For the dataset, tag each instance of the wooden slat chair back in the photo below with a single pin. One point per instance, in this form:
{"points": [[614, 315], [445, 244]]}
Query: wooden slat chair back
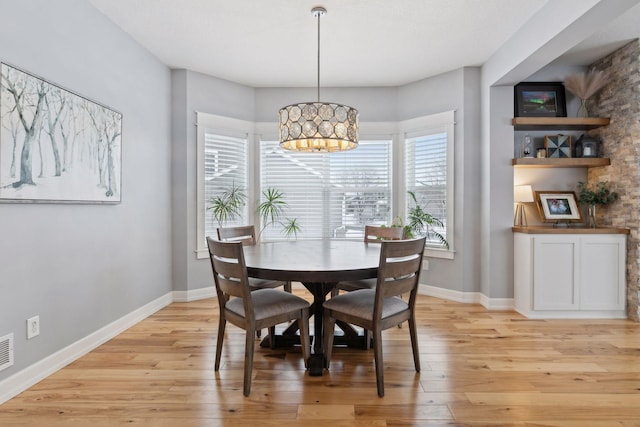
{"points": [[372, 234], [375, 234], [250, 309], [381, 308], [245, 234]]}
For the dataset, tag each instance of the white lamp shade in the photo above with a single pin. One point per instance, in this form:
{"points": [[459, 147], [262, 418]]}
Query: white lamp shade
{"points": [[522, 194]]}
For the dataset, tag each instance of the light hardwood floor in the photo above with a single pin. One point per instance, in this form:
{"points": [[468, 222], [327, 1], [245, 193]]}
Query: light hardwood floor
{"points": [[479, 368]]}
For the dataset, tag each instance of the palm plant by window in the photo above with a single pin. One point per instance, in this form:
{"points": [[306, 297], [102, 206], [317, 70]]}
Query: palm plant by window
{"points": [[422, 223]]}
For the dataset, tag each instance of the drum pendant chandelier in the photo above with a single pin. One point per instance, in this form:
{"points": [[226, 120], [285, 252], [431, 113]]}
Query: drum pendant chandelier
{"points": [[318, 127]]}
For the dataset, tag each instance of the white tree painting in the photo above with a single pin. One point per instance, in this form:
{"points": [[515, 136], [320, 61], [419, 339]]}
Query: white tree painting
{"points": [[56, 146]]}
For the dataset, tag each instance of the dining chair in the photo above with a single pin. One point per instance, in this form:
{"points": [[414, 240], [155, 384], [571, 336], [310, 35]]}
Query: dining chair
{"points": [[246, 234], [381, 308], [250, 309], [372, 234]]}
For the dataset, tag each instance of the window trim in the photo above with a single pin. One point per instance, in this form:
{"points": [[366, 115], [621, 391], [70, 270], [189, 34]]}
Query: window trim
{"points": [[440, 122], [229, 127]]}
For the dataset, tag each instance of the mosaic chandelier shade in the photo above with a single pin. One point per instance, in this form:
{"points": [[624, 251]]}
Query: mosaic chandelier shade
{"points": [[318, 127]]}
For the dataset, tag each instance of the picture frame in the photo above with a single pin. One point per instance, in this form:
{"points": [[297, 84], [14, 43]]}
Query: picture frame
{"points": [[55, 145], [540, 99], [558, 146], [558, 206]]}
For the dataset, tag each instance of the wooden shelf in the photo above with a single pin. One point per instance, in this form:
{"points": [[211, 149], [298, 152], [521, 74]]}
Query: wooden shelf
{"points": [[582, 162], [558, 123], [544, 229]]}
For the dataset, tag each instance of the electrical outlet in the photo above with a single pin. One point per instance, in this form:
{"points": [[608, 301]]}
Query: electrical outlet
{"points": [[425, 264], [33, 327]]}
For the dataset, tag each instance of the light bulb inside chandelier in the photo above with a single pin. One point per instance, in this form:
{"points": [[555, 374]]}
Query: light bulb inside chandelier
{"points": [[319, 127]]}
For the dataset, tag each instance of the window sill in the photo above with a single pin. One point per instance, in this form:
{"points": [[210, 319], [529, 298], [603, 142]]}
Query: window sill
{"points": [[202, 253], [439, 253]]}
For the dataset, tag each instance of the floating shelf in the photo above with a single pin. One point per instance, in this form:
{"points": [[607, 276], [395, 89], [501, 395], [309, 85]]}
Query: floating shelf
{"points": [[581, 162], [558, 123]]}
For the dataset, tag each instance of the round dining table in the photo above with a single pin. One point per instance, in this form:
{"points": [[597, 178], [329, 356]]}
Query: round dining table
{"points": [[319, 265]]}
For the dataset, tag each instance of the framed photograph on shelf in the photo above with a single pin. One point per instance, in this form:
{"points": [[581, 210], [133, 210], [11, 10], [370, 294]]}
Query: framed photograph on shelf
{"points": [[558, 206], [55, 145], [539, 99], [558, 146]]}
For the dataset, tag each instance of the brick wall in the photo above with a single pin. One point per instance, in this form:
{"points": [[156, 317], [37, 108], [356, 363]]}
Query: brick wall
{"points": [[620, 100]]}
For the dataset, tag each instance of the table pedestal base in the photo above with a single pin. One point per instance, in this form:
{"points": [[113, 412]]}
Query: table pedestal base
{"points": [[289, 337]]}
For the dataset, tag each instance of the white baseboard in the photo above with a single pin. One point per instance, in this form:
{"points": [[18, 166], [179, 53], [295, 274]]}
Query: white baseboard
{"points": [[497, 303], [467, 297], [194, 295], [31, 375]]}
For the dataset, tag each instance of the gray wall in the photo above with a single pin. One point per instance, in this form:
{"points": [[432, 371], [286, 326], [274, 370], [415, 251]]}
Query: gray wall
{"points": [[81, 267], [193, 92], [457, 90]]}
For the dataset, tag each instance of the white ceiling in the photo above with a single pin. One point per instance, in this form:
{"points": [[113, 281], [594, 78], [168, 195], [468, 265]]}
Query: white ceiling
{"points": [[273, 43]]}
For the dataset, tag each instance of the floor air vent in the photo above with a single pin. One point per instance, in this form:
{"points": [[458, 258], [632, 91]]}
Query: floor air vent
{"points": [[6, 351]]}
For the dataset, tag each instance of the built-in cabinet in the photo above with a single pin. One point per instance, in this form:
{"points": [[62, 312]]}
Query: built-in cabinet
{"points": [[570, 273]]}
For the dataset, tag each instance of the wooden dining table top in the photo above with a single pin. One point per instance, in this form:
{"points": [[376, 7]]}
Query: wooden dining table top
{"points": [[313, 261]]}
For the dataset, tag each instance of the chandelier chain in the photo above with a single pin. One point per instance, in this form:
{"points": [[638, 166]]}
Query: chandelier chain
{"points": [[318, 15]]}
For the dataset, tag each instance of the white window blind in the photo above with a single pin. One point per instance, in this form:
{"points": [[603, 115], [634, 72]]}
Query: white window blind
{"points": [[225, 165], [332, 195], [426, 174]]}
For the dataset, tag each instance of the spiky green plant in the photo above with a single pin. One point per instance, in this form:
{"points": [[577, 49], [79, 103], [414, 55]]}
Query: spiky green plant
{"points": [[227, 205], [422, 222], [291, 227], [271, 211]]}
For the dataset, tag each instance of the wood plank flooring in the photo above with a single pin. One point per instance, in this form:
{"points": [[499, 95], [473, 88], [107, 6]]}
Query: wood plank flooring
{"points": [[479, 368]]}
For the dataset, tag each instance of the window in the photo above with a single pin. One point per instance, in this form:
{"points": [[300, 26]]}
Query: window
{"points": [[223, 161], [429, 173], [332, 195], [225, 167]]}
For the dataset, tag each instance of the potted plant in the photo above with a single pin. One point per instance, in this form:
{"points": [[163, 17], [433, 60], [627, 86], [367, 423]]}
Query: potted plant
{"points": [[599, 195], [271, 211], [228, 205], [420, 222]]}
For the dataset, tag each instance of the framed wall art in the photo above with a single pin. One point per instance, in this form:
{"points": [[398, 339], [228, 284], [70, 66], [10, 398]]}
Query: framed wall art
{"points": [[56, 146], [558, 206], [539, 99], [558, 146]]}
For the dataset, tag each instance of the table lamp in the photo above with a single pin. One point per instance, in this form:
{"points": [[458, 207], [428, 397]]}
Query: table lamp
{"points": [[521, 194]]}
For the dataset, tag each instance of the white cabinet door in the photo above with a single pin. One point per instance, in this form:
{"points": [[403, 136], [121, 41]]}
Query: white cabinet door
{"points": [[602, 270], [555, 284]]}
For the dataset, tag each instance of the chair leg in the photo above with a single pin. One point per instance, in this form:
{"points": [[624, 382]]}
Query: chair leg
{"points": [[335, 292], [259, 333], [367, 339], [287, 287], [221, 326], [414, 342], [377, 355], [248, 361], [272, 337], [305, 342], [329, 327]]}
